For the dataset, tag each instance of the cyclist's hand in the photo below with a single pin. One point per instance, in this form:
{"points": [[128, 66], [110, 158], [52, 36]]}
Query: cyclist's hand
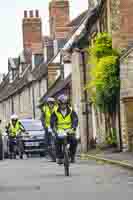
{"points": [[50, 130], [72, 131], [77, 137]]}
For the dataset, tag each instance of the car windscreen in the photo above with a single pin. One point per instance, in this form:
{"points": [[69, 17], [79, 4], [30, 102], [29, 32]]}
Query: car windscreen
{"points": [[32, 125]]}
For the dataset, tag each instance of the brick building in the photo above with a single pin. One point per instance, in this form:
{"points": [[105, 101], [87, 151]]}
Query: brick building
{"points": [[104, 16], [126, 74]]}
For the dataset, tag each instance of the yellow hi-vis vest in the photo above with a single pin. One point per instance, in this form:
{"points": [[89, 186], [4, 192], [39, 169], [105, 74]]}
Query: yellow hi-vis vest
{"points": [[48, 112], [14, 129], [63, 122]]}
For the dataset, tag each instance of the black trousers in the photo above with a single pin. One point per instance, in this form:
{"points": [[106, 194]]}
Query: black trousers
{"points": [[48, 137], [11, 144], [49, 147], [59, 146]]}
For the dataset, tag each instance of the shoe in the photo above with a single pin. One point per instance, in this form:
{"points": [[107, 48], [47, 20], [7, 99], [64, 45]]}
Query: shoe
{"points": [[51, 160], [72, 160], [59, 161]]}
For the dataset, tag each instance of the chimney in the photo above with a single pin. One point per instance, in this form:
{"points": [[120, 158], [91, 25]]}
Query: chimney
{"points": [[37, 13], [31, 13], [25, 14], [59, 18], [32, 32]]}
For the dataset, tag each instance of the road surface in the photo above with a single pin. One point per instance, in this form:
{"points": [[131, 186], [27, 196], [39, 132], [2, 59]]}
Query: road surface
{"points": [[37, 179]]}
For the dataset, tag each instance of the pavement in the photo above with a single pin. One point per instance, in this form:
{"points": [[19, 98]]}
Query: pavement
{"points": [[37, 179], [123, 159]]}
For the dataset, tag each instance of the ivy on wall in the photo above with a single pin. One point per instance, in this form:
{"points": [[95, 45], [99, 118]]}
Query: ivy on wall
{"points": [[104, 85]]}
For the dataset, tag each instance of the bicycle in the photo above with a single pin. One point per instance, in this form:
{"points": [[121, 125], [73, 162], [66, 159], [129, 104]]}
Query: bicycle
{"points": [[16, 146], [63, 134], [20, 145]]}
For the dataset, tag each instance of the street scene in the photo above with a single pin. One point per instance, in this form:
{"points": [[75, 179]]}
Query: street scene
{"points": [[66, 99]]}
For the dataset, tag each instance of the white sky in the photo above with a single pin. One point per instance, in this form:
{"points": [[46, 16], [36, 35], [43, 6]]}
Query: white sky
{"points": [[11, 14]]}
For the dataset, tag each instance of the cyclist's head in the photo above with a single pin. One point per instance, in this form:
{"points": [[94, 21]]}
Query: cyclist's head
{"points": [[51, 101], [63, 101], [14, 118]]}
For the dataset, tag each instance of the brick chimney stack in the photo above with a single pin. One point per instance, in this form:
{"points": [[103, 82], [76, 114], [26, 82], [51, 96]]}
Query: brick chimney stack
{"points": [[32, 32], [59, 17]]}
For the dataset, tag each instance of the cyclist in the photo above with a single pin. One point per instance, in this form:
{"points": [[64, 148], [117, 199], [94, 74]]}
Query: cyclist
{"points": [[47, 111], [62, 119], [13, 128]]}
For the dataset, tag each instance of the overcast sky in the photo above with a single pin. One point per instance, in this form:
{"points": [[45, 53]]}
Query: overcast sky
{"points": [[11, 14]]}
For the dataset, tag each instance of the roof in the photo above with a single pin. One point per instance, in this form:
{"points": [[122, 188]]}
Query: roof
{"points": [[76, 21], [127, 51], [40, 71], [10, 89], [84, 27], [57, 87]]}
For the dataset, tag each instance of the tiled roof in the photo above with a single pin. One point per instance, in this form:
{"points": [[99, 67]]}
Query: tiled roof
{"points": [[9, 89], [40, 71], [77, 20], [57, 87]]}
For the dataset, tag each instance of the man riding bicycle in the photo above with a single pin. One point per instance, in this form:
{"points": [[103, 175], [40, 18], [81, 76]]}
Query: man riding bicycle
{"points": [[64, 118], [13, 128], [47, 111]]}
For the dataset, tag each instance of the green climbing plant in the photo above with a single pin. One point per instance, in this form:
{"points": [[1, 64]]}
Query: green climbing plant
{"points": [[104, 85]]}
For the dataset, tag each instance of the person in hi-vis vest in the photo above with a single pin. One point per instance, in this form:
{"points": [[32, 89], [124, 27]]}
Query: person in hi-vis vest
{"points": [[13, 128], [65, 118], [47, 110]]}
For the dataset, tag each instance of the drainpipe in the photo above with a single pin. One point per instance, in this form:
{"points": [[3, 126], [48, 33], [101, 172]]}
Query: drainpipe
{"points": [[33, 101], [119, 121], [12, 105], [61, 67], [85, 96]]}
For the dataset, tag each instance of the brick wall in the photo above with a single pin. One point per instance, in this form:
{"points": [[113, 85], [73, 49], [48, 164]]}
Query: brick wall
{"points": [[126, 27], [121, 22]]}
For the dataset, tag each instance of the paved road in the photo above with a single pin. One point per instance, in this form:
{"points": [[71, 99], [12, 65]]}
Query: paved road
{"points": [[36, 179]]}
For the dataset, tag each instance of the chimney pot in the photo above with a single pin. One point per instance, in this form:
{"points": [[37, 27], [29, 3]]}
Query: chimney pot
{"points": [[37, 13], [25, 14], [31, 13]]}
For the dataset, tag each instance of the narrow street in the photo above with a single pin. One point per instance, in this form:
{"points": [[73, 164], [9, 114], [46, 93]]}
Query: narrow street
{"points": [[38, 179]]}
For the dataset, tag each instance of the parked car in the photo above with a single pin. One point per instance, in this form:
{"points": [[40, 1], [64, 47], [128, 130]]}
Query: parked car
{"points": [[33, 138]]}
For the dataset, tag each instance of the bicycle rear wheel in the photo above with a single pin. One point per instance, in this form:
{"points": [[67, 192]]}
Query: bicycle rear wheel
{"points": [[66, 162]]}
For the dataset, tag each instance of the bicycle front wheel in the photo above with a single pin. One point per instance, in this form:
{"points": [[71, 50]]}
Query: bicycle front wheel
{"points": [[66, 162]]}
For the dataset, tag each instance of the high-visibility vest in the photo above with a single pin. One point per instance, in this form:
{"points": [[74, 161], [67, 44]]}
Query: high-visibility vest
{"points": [[14, 129], [48, 112], [63, 122]]}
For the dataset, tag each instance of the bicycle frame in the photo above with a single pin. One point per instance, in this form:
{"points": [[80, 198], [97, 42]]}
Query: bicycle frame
{"points": [[66, 156], [64, 136]]}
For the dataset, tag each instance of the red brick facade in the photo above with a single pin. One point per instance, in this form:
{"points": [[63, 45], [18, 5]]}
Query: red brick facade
{"points": [[59, 18], [32, 31], [126, 25]]}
